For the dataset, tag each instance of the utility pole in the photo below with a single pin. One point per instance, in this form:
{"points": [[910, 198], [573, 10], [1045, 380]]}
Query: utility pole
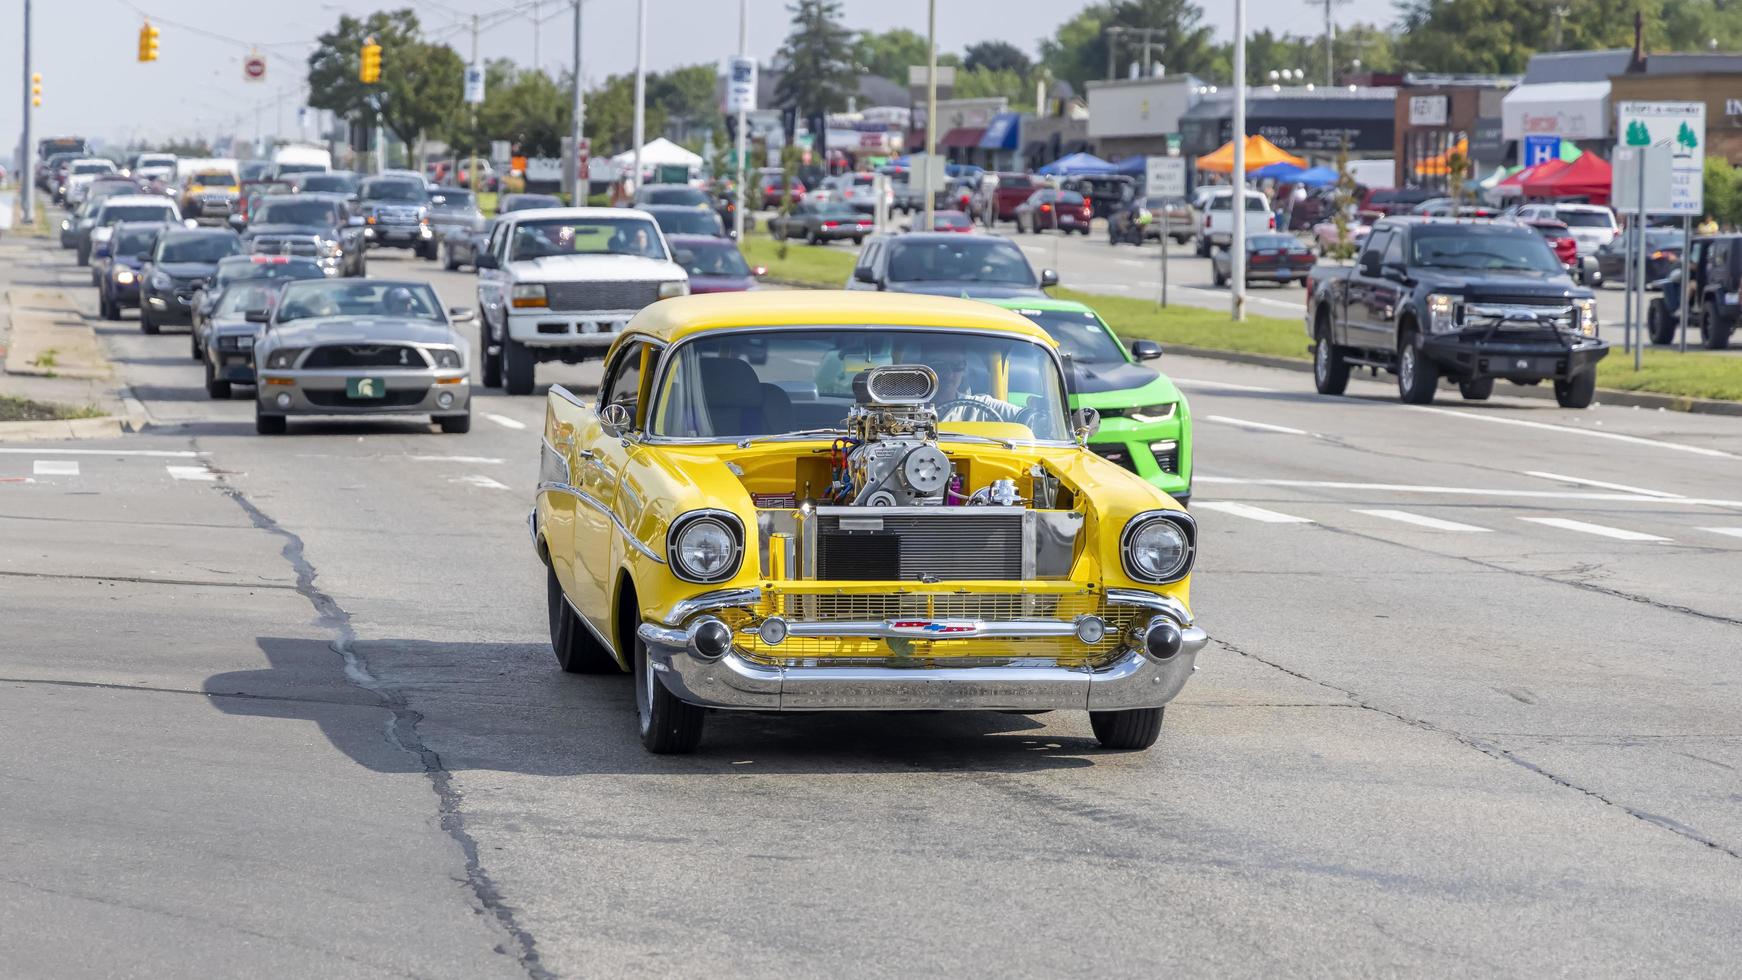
{"points": [[537, 29], [1113, 52], [931, 108], [640, 85], [578, 193], [27, 146], [743, 52], [1237, 245], [1330, 37], [472, 173]]}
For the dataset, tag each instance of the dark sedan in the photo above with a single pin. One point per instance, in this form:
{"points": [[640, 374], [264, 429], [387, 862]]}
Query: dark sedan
{"points": [[945, 264], [1663, 252], [239, 269], [180, 264], [821, 221], [129, 245], [679, 220], [453, 213], [318, 227], [1269, 258], [714, 264]]}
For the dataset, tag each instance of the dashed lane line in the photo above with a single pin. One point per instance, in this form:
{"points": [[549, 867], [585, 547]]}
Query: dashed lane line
{"points": [[1249, 512], [479, 480], [1581, 481], [1422, 520], [1628, 498], [55, 467], [1258, 426], [1601, 530], [484, 460], [1592, 433], [1734, 532], [196, 473], [153, 453], [504, 421]]}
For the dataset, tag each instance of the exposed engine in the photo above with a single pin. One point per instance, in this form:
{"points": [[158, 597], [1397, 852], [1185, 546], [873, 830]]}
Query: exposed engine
{"points": [[889, 457]]}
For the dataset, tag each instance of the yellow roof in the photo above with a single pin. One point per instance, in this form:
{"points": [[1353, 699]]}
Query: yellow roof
{"points": [[675, 319]]}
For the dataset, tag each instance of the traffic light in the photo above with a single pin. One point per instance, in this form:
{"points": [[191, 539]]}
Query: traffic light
{"points": [[148, 42], [369, 70], [36, 88]]}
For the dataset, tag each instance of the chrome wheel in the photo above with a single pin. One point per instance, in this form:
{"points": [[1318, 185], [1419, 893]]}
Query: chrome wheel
{"points": [[644, 691], [1406, 367], [1322, 361]]}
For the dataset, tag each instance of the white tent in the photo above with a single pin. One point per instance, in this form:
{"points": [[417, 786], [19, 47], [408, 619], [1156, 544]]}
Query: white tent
{"points": [[658, 153]]}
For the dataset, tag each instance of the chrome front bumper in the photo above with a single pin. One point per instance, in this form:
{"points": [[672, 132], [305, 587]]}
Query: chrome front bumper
{"points": [[1133, 679]]}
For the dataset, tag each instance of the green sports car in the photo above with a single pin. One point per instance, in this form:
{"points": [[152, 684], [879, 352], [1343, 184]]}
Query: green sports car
{"points": [[1146, 426]]}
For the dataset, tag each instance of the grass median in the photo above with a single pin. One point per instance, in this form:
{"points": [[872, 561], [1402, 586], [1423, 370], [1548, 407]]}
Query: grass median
{"points": [[15, 409], [1665, 372]]}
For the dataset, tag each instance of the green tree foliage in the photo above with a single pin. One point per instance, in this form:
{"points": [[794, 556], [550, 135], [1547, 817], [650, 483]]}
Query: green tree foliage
{"points": [[1692, 25], [1723, 186], [1077, 52], [984, 83], [996, 56], [818, 55], [421, 83], [524, 106], [1490, 36], [890, 53]]}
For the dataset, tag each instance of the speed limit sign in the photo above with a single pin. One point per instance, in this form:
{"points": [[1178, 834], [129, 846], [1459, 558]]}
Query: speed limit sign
{"points": [[254, 68]]}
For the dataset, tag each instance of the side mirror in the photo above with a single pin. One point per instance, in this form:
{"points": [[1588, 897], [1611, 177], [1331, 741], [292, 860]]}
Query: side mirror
{"points": [[1085, 422], [256, 316], [1048, 278], [1370, 265], [189, 223], [461, 314], [486, 260], [865, 274], [759, 271], [1145, 350], [1393, 270], [615, 418]]}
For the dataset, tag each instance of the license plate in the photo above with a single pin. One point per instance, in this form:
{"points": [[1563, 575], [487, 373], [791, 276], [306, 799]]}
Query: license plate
{"points": [[365, 388], [246, 343]]}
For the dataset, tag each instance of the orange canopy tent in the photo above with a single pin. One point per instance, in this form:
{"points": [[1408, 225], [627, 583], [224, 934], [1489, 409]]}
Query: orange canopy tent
{"points": [[1438, 166], [1260, 152]]}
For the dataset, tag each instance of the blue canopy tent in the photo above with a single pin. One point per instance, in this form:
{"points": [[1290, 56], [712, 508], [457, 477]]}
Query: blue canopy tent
{"points": [[1076, 163], [1130, 167], [1317, 177], [1282, 173]]}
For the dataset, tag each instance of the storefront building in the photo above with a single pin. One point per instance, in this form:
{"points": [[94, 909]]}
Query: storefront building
{"points": [[1566, 95], [1309, 122], [1714, 79], [1435, 114], [1138, 117]]}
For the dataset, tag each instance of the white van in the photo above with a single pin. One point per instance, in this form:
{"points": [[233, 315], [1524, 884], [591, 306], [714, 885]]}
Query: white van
{"points": [[293, 159]]}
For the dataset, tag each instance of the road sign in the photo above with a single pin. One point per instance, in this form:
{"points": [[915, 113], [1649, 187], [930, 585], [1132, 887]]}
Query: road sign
{"points": [[1164, 177], [1681, 126], [500, 152], [254, 67], [1541, 149], [1658, 179], [474, 84], [583, 158], [741, 85]]}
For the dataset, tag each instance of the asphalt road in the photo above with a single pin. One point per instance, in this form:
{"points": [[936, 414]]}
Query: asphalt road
{"points": [[285, 706]]}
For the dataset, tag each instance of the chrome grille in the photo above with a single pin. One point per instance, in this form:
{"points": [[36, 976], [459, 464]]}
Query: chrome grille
{"points": [[365, 355], [576, 297], [283, 245], [397, 216], [945, 543]]}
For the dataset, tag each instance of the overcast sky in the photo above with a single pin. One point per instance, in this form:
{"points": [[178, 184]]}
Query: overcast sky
{"points": [[93, 86]]}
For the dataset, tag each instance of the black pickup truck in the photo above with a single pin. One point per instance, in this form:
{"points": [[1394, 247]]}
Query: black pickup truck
{"points": [[1471, 301]]}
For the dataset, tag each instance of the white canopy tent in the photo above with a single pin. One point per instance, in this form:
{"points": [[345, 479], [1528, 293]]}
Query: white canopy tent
{"points": [[659, 153]]}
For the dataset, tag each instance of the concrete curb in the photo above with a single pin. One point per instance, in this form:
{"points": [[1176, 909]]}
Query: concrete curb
{"points": [[102, 427]]}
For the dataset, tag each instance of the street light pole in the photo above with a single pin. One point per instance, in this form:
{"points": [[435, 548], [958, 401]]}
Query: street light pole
{"points": [[640, 85], [1237, 244], [577, 125], [472, 169], [743, 52], [931, 107], [26, 146]]}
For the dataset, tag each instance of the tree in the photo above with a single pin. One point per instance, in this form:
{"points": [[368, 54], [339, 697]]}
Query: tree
{"points": [[889, 54], [818, 56], [996, 56], [1486, 36], [1345, 204], [1723, 188], [421, 87], [984, 83], [1078, 51]]}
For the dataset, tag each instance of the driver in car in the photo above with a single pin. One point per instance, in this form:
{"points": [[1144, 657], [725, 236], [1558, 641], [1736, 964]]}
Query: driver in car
{"points": [[954, 403], [399, 302]]}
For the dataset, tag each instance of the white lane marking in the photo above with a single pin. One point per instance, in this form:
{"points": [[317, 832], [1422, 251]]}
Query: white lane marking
{"points": [[1261, 426], [479, 480], [56, 467], [1249, 512], [156, 453], [1734, 532], [504, 421], [1615, 436], [1624, 488], [1421, 520], [486, 460], [1471, 491], [1601, 530], [191, 473], [1212, 385]]}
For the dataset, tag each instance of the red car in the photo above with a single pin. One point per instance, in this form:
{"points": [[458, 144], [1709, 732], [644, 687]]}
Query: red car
{"points": [[1560, 238], [956, 221], [1012, 190], [1063, 210]]}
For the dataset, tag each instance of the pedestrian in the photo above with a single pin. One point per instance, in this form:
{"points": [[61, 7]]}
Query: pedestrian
{"points": [[1707, 226]]}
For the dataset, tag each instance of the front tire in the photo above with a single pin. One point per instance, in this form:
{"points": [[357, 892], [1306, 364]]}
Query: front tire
{"points": [[1217, 276], [1417, 377], [215, 389], [448, 263], [669, 725], [194, 351], [1714, 332], [1476, 390], [457, 425], [1659, 324], [517, 367], [1127, 731], [577, 651], [146, 323], [1330, 370], [269, 425], [1577, 391]]}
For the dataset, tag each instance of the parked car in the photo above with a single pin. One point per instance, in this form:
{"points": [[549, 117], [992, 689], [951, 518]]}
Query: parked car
{"points": [[119, 264], [1216, 227], [1326, 237], [950, 221], [1065, 211], [453, 212], [561, 284], [1145, 422], [713, 264], [771, 188], [181, 261], [1566, 247], [239, 269], [1468, 301], [366, 347], [946, 264], [1145, 219], [821, 221], [318, 227], [1663, 252], [677, 562], [678, 219], [1270, 257], [1395, 200]]}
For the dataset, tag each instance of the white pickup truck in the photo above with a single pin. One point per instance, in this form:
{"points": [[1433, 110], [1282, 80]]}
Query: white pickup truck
{"points": [[559, 284], [1215, 217]]}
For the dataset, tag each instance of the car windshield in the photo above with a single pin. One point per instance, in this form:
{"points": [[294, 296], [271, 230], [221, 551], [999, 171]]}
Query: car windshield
{"points": [[328, 184], [285, 169], [587, 236], [1663, 238], [964, 258], [161, 160], [688, 196], [1481, 247], [212, 180], [393, 190], [238, 300], [949, 219], [134, 241], [93, 168], [803, 380], [198, 248], [292, 212], [687, 222], [1271, 241], [722, 259], [448, 199], [1080, 335], [363, 297], [1584, 219], [527, 202], [112, 213], [267, 267]]}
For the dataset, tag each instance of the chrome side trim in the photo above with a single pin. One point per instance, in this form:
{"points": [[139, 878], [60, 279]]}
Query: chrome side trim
{"points": [[568, 396], [551, 486], [1151, 600], [722, 599]]}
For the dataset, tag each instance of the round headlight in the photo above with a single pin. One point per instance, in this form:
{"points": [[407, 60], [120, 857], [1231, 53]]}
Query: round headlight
{"points": [[1158, 548], [704, 549]]}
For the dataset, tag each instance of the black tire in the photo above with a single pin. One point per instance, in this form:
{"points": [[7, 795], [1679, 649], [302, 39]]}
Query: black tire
{"points": [[84, 258], [215, 389], [577, 650], [1417, 377], [1127, 731], [111, 309], [858, 240], [457, 425], [1714, 332], [194, 351], [1577, 391], [1330, 369], [269, 425], [1659, 324], [1203, 247], [669, 726], [812, 238], [517, 367], [448, 263], [146, 323], [492, 369], [1217, 276], [1476, 390]]}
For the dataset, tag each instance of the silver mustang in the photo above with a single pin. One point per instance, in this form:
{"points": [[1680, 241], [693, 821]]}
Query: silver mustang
{"points": [[361, 347]]}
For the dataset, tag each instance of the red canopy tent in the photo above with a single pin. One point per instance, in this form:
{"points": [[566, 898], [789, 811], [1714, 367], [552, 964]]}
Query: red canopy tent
{"points": [[1542, 171], [1588, 177]]}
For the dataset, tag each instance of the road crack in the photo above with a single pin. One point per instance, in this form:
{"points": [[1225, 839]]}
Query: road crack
{"points": [[403, 734], [1494, 751]]}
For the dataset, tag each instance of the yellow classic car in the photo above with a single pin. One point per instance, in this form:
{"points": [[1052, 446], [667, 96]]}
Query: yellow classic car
{"points": [[739, 529]]}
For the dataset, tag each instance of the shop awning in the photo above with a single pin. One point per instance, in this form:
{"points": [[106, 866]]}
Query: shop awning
{"points": [[1076, 163], [1570, 110], [1002, 132], [1260, 152], [962, 138], [1589, 176]]}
